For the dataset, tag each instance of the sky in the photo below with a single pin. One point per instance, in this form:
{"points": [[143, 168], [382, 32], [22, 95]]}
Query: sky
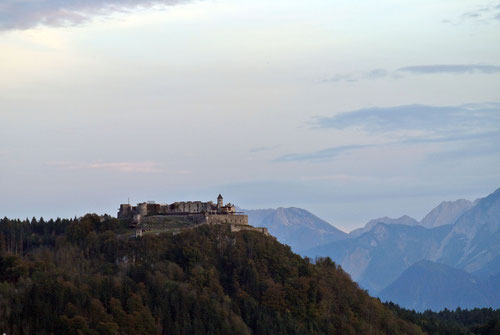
{"points": [[353, 110]]}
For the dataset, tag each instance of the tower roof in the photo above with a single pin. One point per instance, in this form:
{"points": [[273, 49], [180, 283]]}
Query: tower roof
{"points": [[219, 197]]}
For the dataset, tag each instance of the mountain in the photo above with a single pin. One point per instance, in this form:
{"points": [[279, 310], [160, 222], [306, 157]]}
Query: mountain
{"points": [[404, 220], [473, 244], [445, 213], [428, 285], [379, 256], [296, 227], [380, 253], [86, 277]]}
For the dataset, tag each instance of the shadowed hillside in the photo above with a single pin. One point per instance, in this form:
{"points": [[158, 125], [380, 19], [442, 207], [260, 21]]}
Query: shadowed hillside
{"points": [[87, 277]]}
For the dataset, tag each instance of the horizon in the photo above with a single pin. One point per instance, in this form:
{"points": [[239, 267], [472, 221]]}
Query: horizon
{"points": [[352, 111]]}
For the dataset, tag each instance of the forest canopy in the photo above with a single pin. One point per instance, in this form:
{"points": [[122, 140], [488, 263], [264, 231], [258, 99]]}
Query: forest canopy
{"points": [[88, 276]]}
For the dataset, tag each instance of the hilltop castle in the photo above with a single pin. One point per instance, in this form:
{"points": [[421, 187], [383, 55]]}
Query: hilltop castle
{"points": [[148, 214], [150, 208]]}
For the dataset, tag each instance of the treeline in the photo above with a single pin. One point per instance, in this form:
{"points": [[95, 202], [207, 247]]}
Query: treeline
{"points": [[16, 236], [478, 321], [85, 276]]}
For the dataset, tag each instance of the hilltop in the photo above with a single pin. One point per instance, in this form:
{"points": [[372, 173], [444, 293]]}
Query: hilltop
{"points": [[86, 276]]}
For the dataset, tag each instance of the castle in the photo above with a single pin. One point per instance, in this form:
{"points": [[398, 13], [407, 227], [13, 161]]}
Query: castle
{"points": [[150, 214]]}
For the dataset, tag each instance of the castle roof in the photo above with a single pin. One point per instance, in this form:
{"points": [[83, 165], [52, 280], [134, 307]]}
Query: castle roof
{"points": [[219, 197]]}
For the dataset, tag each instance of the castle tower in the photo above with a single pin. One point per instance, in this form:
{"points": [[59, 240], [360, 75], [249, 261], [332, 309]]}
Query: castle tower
{"points": [[220, 202]]}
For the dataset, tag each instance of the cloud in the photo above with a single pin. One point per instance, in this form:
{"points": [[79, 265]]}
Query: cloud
{"points": [[263, 148], [352, 77], [452, 69], [128, 167], [410, 125], [321, 154], [438, 119], [471, 150], [377, 73], [479, 14], [416, 69], [332, 152], [25, 14]]}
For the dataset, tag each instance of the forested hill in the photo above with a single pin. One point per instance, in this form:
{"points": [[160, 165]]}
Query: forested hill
{"points": [[87, 277]]}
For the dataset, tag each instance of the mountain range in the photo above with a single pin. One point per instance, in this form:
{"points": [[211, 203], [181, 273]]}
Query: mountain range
{"points": [[446, 212], [296, 227], [459, 235]]}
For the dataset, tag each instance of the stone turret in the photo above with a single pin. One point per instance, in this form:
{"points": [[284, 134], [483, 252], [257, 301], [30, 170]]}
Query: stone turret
{"points": [[142, 209], [220, 201]]}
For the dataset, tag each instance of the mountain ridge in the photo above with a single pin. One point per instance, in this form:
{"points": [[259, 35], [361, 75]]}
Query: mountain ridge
{"points": [[379, 256], [296, 227], [404, 220], [447, 212]]}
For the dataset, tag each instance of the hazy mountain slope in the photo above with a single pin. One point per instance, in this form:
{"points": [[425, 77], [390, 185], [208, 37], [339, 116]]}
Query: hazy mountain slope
{"points": [[379, 256], [296, 227], [404, 220], [429, 285], [445, 213], [489, 269], [256, 216], [474, 240]]}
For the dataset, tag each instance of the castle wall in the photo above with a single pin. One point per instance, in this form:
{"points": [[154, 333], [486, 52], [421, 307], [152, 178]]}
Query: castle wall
{"points": [[168, 219], [142, 209], [125, 211], [237, 228], [227, 219]]}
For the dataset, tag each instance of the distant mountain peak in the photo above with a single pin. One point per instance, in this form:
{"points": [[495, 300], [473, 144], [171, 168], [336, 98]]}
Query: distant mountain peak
{"points": [[404, 220], [296, 227], [447, 212], [468, 251]]}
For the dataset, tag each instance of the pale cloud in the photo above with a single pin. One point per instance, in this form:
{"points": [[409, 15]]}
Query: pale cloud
{"points": [[355, 77], [15, 14], [439, 119], [351, 78], [451, 69], [431, 69], [126, 167], [410, 125], [377, 73], [482, 13], [321, 155], [262, 148], [487, 139]]}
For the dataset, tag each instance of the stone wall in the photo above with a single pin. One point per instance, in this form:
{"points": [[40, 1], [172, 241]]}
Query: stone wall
{"points": [[227, 219], [167, 219], [237, 227]]}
